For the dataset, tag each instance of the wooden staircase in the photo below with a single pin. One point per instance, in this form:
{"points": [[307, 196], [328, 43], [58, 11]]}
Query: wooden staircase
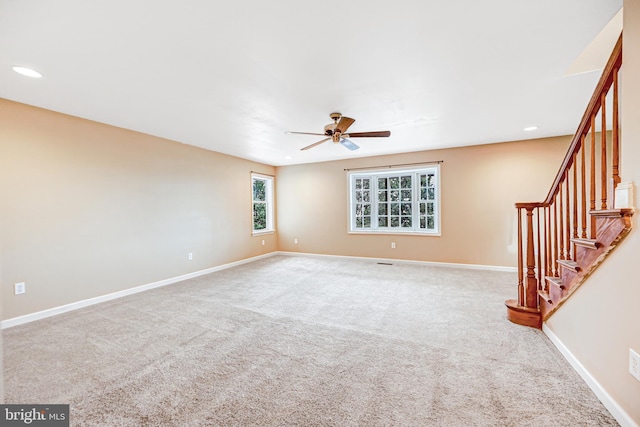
{"points": [[563, 239]]}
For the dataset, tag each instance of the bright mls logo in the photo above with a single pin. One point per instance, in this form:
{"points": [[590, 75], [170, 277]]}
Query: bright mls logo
{"points": [[35, 415]]}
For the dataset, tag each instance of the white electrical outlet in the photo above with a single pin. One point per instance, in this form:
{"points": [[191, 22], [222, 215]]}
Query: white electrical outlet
{"points": [[634, 364], [20, 288], [393, 245], [262, 242], [190, 256], [295, 241]]}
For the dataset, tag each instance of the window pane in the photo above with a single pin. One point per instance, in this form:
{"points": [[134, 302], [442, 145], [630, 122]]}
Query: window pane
{"points": [[365, 184], [431, 193], [382, 183], [395, 221], [394, 182], [366, 196], [259, 191], [382, 209], [423, 194], [359, 222], [358, 196], [367, 209], [423, 222], [430, 223], [394, 195], [406, 221], [259, 216], [430, 180], [430, 208], [422, 209], [423, 180], [406, 181], [395, 208], [406, 195], [382, 196], [367, 222], [382, 221], [359, 209], [406, 208], [358, 184]]}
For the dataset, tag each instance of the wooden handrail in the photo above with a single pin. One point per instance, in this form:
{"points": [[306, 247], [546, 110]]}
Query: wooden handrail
{"points": [[603, 86]]}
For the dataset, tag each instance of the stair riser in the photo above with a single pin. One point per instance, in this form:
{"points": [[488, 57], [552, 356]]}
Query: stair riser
{"points": [[522, 315], [556, 294], [569, 278], [610, 232]]}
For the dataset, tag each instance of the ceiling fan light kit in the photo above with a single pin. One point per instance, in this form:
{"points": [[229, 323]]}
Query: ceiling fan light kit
{"points": [[337, 132]]}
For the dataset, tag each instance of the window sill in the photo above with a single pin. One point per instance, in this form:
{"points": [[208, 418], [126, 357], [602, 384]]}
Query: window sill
{"points": [[262, 232], [396, 233]]}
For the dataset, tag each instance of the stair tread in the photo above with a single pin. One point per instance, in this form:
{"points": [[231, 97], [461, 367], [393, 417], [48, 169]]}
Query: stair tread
{"points": [[569, 264], [513, 304], [545, 296], [612, 213], [586, 243], [556, 281]]}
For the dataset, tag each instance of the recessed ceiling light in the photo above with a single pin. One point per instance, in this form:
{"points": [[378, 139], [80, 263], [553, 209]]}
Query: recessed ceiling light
{"points": [[27, 72], [288, 157], [530, 128]]}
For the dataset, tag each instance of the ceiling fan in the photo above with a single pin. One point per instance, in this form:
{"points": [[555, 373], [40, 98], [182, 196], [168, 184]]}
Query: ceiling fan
{"points": [[337, 132]]}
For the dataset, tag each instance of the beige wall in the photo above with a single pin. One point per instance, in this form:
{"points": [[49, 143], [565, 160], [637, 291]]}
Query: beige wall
{"points": [[1, 348], [479, 187], [602, 319], [88, 209]]}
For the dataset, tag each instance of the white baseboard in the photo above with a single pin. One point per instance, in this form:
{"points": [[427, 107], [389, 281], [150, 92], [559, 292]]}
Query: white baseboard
{"points": [[407, 261], [612, 406], [15, 321]]}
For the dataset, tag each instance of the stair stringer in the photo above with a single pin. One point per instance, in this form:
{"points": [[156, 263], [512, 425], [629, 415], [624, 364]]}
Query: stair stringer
{"points": [[611, 228]]}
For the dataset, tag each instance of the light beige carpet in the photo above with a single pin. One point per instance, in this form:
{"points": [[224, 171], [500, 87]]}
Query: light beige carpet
{"points": [[302, 341]]}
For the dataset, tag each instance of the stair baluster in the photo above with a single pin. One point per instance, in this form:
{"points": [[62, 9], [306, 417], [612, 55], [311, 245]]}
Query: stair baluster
{"points": [[603, 152], [592, 178]]}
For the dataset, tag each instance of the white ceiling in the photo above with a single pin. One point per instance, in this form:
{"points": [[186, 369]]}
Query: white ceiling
{"points": [[233, 76]]}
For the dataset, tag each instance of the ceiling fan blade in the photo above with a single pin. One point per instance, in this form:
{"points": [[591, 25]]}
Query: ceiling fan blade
{"points": [[344, 124], [314, 144], [348, 144], [383, 133], [303, 133]]}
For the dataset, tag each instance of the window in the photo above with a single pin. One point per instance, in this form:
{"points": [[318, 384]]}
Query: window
{"points": [[262, 206], [399, 201]]}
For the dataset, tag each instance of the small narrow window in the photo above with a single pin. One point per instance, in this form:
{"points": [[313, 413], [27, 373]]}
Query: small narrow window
{"points": [[262, 206]]}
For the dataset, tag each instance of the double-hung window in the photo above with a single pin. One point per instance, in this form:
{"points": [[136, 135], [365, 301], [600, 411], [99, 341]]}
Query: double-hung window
{"points": [[395, 201], [262, 205]]}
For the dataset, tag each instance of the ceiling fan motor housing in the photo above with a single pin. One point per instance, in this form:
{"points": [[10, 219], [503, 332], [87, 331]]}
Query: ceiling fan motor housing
{"points": [[328, 129]]}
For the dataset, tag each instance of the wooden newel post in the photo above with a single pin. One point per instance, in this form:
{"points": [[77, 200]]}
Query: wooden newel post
{"points": [[532, 282], [527, 284]]}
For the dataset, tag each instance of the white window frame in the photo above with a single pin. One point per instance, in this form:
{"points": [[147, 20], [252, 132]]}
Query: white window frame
{"points": [[268, 180], [415, 201]]}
